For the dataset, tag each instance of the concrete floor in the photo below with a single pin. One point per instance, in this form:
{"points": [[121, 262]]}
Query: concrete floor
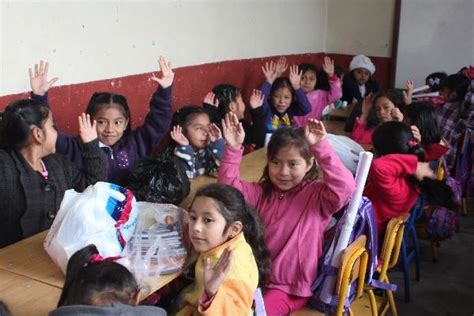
{"points": [[446, 287]]}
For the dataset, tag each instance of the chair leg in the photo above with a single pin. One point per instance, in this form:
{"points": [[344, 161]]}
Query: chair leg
{"points": [[405, 269], [416, 247], [434, 250], [464, 206], [373, 303], [391, 301]]}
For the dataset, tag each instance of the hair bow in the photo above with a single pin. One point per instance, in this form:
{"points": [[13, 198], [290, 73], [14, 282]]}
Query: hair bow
{"points": [[412, 143], [433, 81], [98, 258]]}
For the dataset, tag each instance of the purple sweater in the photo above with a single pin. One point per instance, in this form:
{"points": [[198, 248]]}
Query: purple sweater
{"points": [[294, 220], [122, 156]]}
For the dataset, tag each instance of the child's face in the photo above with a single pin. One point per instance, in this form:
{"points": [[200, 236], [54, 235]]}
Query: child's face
{"points": [[308, 81], [197, 131], [206, 224], [238, 107], [111, 124], [361, 75], [447, 95], [288, 168], [281, 99], [383, 108]]}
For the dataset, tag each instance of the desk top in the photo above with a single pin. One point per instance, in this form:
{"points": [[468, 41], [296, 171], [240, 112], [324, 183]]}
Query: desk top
{"points": [[25, 296]]}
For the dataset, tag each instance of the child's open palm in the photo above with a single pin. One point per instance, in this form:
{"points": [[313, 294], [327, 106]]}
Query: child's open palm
{"points": [[407, 95], [295, 77], [328, 66], [214, 133], [211, 99], [178, 136], [314, 131], [167, 73], [233, 130], [87, 128], [214, 276], [39, 78], [281, 66], [256, 99], [269, 70], [366, 106]]}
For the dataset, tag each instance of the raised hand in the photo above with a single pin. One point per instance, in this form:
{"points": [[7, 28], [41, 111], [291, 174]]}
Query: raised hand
{"points": [[281, 66], [328, 66], [269, 70], [211, 99], [423, 170], [407, 95], [295, 77], [39, 78], [178, 136], [367, 104], [87, 129], [233, 130], [396, 115], [214, 133], [214, 276], [314, 131], [416, 133], [256, 99], [167, 73]]}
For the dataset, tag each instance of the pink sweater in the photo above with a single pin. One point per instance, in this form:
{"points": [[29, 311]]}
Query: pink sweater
{"points": [[294, 220], [319, 99], [362, 135]]}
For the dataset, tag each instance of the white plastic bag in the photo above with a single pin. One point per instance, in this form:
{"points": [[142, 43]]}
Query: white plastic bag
{"points": [[104, 214], [347, 149]]}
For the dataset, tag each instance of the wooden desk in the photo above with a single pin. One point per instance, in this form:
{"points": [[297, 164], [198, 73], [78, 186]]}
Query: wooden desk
{"points": [[25, 296]]}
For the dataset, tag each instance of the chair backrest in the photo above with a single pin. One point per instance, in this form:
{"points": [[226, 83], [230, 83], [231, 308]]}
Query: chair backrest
{"points": [[391, 244], [353, 268]]}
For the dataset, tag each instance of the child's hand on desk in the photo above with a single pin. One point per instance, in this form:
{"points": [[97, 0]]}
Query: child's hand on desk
{"points": [[234, 134], [256, 99], [178, 136], [39, 78], [214, 133], [314, 131], [214, 276]]}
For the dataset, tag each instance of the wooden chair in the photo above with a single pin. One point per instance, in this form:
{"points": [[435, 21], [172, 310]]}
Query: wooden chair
{"points": [[388, 259], [353, 268]]}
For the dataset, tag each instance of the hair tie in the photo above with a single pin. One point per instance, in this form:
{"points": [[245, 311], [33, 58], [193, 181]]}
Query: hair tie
{"points": [[98, 258], [412, 143]]}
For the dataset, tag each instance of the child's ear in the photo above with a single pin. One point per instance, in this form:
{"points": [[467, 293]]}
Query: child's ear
{"points": [[37, 135], [310, 165], [235, 228], [127, 121], [233, 106]]}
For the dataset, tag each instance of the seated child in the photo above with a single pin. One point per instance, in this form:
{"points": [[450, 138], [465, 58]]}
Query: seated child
{"points": [[433, 80], [318, 95], [122, 146], [99, 286], [233, 259], [294, 206], [225, 98], [358, 84], [199, 144]]}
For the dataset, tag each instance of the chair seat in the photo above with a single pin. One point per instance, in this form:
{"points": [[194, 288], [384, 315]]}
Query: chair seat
{"points": [[307, 311], [361, 306]]}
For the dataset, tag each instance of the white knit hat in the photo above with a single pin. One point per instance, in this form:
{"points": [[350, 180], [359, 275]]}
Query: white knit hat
{"points": [[362, 61]]}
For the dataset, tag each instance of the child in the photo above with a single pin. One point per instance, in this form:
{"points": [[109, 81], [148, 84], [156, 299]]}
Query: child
{"points": [[294, 206], [225, 98], [233, 259], [99, 286], [317, 96], [283, 97], [387, 106], [122, 146], [399, 174], [34, 178], [199, 143], [358, 84]]}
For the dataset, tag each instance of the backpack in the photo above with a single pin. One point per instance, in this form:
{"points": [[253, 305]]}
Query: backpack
{"points": [[364, 224]]}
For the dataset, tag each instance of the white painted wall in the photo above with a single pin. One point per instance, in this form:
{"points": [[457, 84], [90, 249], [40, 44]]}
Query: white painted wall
{"points": [[92, 40], [435, 35], [360, 27]]}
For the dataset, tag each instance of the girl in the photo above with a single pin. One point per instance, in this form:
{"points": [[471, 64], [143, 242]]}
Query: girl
{"points": [[233, 259], [227, 98], [199, 143], [122, 146], [317, 96], [294, 206], [399, 174], [34, 178], [356, 85], [283, 97], [98, 286], [387, 106]]}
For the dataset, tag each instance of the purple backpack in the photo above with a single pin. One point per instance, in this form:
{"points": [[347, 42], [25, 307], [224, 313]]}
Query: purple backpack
{"points": [[364, 224]]}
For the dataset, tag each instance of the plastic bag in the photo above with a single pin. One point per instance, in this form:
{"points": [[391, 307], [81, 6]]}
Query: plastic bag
{"points": [[104, 214], [347, 149], [160, 179], [156, 247]]}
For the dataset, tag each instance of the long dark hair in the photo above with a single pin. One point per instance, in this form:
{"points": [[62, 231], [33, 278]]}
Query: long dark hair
{"points": [[322, 79], [233, 208], [103, 282], [397, 138], [225, 94], [100, 100], [16, 121], [423, 116], [457, 83], [284, 137]]}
